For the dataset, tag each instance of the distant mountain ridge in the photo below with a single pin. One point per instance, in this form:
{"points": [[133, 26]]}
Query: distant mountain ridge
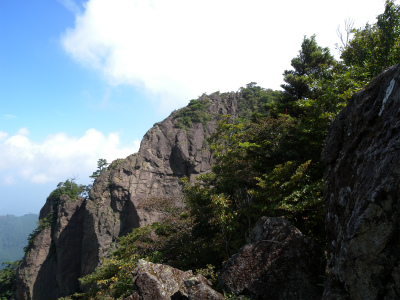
{"points": [[14, 233]]}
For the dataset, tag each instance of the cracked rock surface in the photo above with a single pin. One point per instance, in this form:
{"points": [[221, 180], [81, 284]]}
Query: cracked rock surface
{"points": [[362, 194], [162, 282]]}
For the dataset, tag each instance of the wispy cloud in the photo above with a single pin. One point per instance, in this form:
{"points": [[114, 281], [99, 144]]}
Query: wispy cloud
{"points": [[58, 157], [8, 117], [71, 6]]}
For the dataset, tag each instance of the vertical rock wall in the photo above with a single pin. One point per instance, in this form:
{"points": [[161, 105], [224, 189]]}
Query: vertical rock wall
{"points": [[362, 194], [54, 257]]}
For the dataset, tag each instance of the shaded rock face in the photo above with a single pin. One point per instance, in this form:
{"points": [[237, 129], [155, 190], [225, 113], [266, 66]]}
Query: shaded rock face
{"points": [[278, 262], [362, 194], [162, 282], [54, 257]]}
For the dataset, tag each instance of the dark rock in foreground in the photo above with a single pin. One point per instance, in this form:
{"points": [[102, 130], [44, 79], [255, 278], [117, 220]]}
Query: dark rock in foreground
{"points": [[278, 263], [161, 282], [362, 194]]}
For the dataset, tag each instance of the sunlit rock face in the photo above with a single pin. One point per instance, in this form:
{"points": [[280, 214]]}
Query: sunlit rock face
{"points": [[162, 282], [362, 194]]}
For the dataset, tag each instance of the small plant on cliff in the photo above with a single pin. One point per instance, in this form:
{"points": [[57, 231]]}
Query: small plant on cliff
{"points": [[195, 112], [101, 166]]}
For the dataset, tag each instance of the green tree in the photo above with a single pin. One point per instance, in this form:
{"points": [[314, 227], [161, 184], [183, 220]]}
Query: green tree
{"points": [[101, 166], [309, 66], [8, 277], [376, 47]]}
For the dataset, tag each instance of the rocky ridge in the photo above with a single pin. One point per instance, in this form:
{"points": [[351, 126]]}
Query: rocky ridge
{"points": [[121, 199]]}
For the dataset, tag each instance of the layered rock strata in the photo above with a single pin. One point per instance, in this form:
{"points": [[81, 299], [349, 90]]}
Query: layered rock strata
{"points": [[362, 194]]}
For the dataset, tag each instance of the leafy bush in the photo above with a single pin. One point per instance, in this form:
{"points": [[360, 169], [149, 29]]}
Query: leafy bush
{"points": [[8, 275]]}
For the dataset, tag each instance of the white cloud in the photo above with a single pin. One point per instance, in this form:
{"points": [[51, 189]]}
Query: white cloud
{"points": [[3, 135], [175, 50], [58, 157]]}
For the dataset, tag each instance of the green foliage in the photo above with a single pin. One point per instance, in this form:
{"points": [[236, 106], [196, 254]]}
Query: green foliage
{"points": [[309, 66], [377, 46], [101, 166], [254, 176], [195, 112], [8, 275], [69, 188], [255, 100]]}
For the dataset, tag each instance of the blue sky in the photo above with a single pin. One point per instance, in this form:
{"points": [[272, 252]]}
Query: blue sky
{"points": [[83, 80]]}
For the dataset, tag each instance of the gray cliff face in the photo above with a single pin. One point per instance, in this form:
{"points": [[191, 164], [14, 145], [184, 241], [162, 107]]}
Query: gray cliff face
{"points": [[362, 194], [120, 200], [54, 257]]}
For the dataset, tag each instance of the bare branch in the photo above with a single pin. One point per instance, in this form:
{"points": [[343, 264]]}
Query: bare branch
{"points": [[344, 36]]}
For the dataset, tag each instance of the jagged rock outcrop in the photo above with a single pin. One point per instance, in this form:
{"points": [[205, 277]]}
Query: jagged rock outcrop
{"points": [[121, 200], [53, 259], [121, 197], [162, 282], [362, 194], [278, 262]]}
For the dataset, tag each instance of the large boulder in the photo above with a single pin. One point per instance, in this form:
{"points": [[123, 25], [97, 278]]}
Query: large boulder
{"points": [[162, 282], [362, 194], [278, 263]]}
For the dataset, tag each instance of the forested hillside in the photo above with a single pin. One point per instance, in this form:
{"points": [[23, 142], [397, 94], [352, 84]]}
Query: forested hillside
{"points": [[14, 232]]}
